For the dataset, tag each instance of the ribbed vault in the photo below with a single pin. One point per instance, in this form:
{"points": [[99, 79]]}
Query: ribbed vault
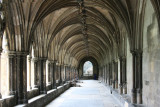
{"points": [[69, 30]]}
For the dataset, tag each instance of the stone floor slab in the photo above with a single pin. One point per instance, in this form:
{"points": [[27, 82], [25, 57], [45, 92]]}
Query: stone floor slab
{"points": [[90, 94]]}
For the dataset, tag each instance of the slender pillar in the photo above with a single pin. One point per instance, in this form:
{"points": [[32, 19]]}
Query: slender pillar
{"points": [[70, 78], [34, 72], [65, 73], [139, 72], [66, 70], [69, 73], [110, 74], [13, 73], [60, 70], [0, 74], [48, 72], [113, 74], [42, 75], [106, 73], [29, 72], [124, 76], [121, 76], [57, 74], [53, 74], [134, 91], [116, 75], [109, 78], [22, 78]]}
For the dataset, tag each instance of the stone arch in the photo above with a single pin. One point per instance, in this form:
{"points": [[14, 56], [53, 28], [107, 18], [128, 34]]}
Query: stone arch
{"points": [[95, 67]]}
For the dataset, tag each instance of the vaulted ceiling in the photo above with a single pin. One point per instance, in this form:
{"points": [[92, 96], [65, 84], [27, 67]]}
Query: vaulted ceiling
{"points": [[70, 30]]}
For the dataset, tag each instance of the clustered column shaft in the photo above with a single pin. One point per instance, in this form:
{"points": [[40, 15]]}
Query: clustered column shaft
{"points": [[42, 75], [137, 77]]}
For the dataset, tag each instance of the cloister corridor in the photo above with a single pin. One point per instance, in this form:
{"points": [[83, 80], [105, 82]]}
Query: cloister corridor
{"points": [[44, 45], [91, 93]]}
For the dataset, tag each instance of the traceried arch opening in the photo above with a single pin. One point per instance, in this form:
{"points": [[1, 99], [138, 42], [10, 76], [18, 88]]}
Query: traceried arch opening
{"points": [[88, 69]]}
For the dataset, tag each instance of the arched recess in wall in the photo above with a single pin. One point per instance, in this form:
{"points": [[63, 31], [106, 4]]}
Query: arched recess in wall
{"points": [[95, 67]]}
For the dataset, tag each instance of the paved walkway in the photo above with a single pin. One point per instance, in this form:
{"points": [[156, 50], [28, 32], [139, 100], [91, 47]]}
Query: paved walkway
{"points": [[90, 94]]}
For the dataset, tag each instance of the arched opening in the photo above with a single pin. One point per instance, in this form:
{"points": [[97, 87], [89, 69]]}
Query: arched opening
{"points": [[86, 64], [88, 69]]}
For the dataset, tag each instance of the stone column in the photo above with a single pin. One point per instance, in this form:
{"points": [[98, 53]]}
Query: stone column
{"points": [[68, 73], [48, 72], [121, 76], [29, 72], [34, 72], [134, 91], [0, 74], [42, 75], [71, 73], [124, 76], [116, 75], [106, 73], [60, 70], [139, 77], [110, 73], [66, 68], [65, 74], [53, 74], [57, 74], [22, 78], [113, 74]]}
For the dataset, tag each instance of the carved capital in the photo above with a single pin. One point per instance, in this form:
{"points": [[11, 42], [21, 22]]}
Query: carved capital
{"points": [[136, 52]]}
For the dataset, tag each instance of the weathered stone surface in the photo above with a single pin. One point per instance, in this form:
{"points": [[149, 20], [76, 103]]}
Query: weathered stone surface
{"points": [[42, 100]]}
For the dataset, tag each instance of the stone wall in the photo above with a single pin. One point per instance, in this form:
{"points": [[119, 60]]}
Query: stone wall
{"points": [[151, 59]]}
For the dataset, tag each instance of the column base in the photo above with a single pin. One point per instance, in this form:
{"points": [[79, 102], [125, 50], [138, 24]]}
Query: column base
{"points": [[139, 96], [124, 88], [110, 83], [134, 96], [116, 84], [36, 86], [113, 85], [120, 89], [64, 82], [54, 86], [12, 93], [43, 92], [29, 88], [23, 101]]}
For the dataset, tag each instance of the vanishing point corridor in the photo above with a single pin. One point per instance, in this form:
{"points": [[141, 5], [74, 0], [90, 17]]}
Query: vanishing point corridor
{"points": [[91, 93], [45, 44]]}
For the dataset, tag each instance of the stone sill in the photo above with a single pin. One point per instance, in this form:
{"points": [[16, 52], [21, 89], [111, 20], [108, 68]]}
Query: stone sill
{"points": [[35, 100], [7, 101], [43, 99]]}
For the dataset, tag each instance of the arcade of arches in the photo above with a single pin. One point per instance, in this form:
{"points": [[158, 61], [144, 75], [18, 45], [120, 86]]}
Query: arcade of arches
{"points": [[44, 44]]}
